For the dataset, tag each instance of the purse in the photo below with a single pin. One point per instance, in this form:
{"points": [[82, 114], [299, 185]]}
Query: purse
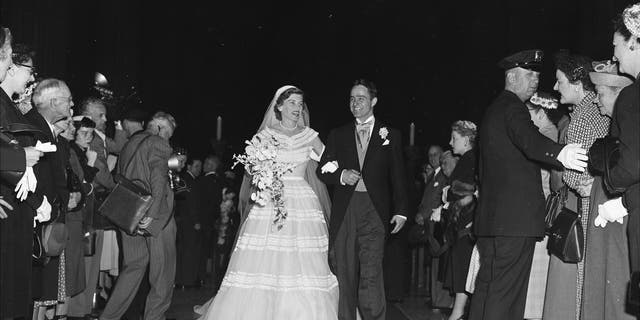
{"points": [[54, 234], [554, 204], [566, 237], [128, 202]]}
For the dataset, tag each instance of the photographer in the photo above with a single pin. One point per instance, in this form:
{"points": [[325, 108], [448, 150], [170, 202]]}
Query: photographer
{"points": [[145, 158]]}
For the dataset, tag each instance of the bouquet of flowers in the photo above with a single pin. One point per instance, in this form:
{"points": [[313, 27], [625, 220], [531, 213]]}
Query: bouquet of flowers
{"points": [[260, 162]]}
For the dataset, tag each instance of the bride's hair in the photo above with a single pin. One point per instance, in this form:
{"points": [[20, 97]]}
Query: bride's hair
{"points": [[284, 96]]}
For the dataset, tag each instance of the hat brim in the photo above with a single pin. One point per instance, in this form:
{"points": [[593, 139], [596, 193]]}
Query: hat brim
{"points": [[608, 79]]}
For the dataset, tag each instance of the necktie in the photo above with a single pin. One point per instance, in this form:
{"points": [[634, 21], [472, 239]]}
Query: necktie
{"points": [[363, 133]]}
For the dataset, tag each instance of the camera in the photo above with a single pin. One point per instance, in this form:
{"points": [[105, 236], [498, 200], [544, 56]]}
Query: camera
{"points": [[175, 163]]}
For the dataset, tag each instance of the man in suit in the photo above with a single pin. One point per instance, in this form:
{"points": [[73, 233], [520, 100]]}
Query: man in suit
{"points": [[431, 200], [52, 101], [209, 192], [103, 183], [145, 157], [510, 215], [363, 160], [188, 221]]}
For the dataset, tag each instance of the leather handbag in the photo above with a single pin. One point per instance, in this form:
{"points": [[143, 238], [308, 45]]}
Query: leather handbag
{"points": [[604, 155], [554, 204], [54, 233], [128, 202], [566, 237]]}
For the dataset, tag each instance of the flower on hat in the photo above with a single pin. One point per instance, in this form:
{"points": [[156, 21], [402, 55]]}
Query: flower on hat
{"points": [[547, 102], [631, 18], [606, 73]]}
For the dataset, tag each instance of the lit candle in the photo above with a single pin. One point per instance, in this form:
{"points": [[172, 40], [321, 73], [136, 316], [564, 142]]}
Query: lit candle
{"points": [[219, 129], [412, 133]]}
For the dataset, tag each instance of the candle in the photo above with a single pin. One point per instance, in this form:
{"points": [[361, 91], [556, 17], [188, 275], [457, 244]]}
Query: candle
{"points": [[219, 129], [412, 134]]}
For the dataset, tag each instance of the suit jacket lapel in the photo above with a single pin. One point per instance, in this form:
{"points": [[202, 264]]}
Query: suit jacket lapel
{"points": [[352, 144]]}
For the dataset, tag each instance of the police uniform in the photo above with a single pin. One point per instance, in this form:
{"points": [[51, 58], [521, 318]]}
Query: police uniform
{"points": [[510, 215]]}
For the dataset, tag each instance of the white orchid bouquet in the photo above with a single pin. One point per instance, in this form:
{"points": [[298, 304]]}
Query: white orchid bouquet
{"points": [[260, 161]]}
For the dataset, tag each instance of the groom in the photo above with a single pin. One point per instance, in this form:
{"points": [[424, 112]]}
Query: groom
{"points": [[363, 160]]}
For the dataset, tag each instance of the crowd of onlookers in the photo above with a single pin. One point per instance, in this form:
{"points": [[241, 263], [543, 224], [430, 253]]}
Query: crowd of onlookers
{"points": [[599, 285], [59, 257]]}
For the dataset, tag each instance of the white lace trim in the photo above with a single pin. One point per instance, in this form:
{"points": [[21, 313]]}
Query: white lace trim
{"points": [[279, 282]]}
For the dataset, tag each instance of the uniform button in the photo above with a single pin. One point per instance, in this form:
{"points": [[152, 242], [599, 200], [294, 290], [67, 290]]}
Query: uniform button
{"points": [[546, 153]]}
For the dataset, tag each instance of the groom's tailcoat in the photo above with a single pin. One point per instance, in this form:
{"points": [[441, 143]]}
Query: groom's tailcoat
{"points": [[382, 172]]}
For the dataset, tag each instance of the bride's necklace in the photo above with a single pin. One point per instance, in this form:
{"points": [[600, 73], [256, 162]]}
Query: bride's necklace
{"points": [[287, 128]]}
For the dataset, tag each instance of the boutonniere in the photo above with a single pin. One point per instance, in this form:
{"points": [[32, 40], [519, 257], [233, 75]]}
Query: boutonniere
{"points": [[383, 135]]}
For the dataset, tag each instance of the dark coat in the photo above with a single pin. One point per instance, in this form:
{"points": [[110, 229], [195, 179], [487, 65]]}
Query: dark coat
{"points": [[148, 162], [209, 192], [16, 230], [625, 174], [511, 201], [382, 171]]}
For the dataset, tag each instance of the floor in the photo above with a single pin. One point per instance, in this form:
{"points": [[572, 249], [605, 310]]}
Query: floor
{"points": [[412, 308]]}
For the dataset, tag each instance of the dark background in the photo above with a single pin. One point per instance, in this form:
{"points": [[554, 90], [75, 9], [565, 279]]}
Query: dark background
{"points": [[433, 61]]}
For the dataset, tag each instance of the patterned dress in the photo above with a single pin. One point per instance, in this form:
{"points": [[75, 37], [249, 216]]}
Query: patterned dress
{"points": [[280, 274], [586, 125]]}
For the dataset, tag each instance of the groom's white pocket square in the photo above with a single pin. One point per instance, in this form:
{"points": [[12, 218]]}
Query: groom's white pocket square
{"points": [[386, 142], [330, 167]]}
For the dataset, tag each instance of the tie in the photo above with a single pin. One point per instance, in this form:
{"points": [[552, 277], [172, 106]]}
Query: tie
{"points": [[363, 133]]}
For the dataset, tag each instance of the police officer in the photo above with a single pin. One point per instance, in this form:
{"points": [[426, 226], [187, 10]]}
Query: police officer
{"points": [[511, 204]]}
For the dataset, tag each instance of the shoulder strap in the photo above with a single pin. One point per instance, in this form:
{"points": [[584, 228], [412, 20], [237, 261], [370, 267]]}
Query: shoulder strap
{"points": [[135, 151]]}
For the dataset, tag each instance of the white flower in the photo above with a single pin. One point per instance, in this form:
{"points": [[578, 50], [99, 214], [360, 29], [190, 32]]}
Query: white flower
{"points": [[383, 133]]}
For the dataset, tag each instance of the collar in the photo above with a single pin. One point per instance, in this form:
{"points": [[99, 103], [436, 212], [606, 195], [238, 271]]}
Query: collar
{"points": [[100, 134], [191, 174], [210, 173], [51, 127], [583, 106], [371, 118]]}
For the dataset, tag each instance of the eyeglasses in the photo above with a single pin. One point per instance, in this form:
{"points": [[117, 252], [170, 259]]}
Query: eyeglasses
{"points": [[32, 69], [68, 99]]}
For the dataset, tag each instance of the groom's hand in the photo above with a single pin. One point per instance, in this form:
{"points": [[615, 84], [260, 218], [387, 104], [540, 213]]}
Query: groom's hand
{"points": [[350, 176], [399, 221]]}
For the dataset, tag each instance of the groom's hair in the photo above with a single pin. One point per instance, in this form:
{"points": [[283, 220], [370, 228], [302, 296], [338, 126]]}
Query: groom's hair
{"points": [[373, 91]]}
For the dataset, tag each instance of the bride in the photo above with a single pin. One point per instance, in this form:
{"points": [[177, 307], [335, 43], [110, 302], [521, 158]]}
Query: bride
{"points": [[282, 273]]}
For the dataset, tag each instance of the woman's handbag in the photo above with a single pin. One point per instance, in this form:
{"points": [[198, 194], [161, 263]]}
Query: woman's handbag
{"points": [[604, 154], [128, 202], [554, 205], [54, 233], [566, 237]]}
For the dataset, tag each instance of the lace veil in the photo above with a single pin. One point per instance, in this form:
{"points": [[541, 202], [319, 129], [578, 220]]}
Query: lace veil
{"points": [[244, 202]]}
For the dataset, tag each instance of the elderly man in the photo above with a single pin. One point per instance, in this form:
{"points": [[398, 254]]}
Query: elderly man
{"points": [[145, 158], [510, 215], [52, 101]]}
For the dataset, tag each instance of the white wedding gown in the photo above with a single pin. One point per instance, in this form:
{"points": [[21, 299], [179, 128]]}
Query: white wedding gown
{"points": [[280, 274]]}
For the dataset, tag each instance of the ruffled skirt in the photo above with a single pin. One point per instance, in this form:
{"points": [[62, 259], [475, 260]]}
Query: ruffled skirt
{"points": [[279, 274]]}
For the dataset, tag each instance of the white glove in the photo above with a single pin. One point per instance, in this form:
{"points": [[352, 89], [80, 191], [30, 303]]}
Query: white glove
{"points": [[436, 214], [27, 183], [574, 157], [330, 167], [611, 211], [445, 192], [45, 147], [43, 213]]}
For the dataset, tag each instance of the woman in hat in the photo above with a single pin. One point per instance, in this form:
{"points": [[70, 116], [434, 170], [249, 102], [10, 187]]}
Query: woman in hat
{"points": [[607, 254], [563, 298]]}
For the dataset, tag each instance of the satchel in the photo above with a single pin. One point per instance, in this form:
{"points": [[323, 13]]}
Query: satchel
{"points": [[554, 204], [128, 202], [566, 237]]}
